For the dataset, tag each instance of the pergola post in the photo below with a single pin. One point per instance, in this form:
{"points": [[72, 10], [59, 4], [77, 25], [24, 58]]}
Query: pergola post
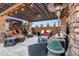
{"points": [[29, 31], [2, 28]]}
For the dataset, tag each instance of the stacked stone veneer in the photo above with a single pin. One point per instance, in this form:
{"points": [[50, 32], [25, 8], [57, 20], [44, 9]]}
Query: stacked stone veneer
{"points": [[73, 49]]}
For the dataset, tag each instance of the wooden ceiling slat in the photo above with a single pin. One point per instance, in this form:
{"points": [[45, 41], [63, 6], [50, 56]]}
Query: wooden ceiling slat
{"points": [[64, 12], [41, 7], [27, 12], [50, 13], [4, 6], [21, 15], [42, 19], [41, 10], [37, 12], [24, 14]]}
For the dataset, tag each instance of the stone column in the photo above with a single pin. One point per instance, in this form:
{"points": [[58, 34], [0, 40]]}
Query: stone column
{"points": [[63, 24], [73, 49], [29, 28], [2, 28]]}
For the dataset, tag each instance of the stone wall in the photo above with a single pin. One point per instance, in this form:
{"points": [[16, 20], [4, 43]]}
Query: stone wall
{"points": [[2, 28], [73, 49]]}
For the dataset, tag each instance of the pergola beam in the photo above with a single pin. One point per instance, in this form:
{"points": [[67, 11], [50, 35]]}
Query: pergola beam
{"points": [[11, 8]]}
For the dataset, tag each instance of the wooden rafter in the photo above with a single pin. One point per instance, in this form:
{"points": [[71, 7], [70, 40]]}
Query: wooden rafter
{"points": [[37, 12]]}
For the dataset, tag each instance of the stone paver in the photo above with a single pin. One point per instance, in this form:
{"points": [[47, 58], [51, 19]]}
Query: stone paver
{"points": [[20, 49]]}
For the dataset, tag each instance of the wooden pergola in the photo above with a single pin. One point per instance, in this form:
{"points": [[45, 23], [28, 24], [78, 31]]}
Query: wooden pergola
{"points": [[30, 11]]}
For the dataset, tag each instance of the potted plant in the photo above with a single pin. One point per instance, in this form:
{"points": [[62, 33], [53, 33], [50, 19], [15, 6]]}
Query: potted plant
{"points": [[25, 27], [68, 27]]}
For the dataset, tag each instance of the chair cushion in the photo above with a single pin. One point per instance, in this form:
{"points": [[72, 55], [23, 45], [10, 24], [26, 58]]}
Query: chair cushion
{"points": [[55, 47]]}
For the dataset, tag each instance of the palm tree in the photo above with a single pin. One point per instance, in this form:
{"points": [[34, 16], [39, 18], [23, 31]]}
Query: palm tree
{"points": [[41, 25], [36, 26], [48, 25], [54, 24], [25, 27], [68, 27]]}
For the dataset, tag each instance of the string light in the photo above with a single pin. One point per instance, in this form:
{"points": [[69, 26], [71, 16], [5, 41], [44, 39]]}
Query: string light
{"points": [[23, 5], [77, 14], [10, 13], [15, 11], [5, 15], [32, 4], [77, 8], [22, 9]]}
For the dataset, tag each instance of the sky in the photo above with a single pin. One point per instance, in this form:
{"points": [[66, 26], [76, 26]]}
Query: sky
{"points": [[51, 23]]}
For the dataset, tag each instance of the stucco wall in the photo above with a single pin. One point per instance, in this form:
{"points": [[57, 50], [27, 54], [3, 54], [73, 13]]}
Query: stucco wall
{"points": [[54, 29]]}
